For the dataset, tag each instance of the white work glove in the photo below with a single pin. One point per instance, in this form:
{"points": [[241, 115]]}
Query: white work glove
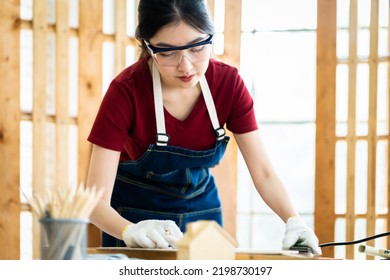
{"points": [[160, 234], [298, 233]]}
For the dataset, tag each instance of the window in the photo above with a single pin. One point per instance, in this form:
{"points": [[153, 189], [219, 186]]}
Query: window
{"points": [[278, 60]]}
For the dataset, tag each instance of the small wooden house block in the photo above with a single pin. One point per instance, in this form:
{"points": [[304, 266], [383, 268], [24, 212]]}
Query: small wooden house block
{"points": [[206, 240]]}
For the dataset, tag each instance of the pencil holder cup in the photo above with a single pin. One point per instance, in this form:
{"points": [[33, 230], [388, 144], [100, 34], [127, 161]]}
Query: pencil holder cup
{"points": [[63, 239]]}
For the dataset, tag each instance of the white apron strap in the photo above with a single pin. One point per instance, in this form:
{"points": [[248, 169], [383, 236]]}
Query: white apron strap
{"points": [[208, 98], [162, 136]]}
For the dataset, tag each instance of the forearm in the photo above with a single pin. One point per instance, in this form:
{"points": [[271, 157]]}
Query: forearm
{"points": [[274, 194], [102, 173], [267, 183], [108, 220]]}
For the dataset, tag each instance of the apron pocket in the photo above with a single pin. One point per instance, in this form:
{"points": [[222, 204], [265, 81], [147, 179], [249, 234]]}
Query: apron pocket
{"points": [[193, 184]]}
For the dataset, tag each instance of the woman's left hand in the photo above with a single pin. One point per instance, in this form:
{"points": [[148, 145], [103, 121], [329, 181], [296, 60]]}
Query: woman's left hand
{"points": [[297, 232]]}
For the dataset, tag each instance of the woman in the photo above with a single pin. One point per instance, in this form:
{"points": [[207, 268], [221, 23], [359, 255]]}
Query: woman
{"points": [[160, 128]]}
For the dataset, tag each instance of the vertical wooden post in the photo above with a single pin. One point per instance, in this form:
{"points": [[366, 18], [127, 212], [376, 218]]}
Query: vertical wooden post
{"points": [[90, 72], [226, 173], [90, 86], [388, 131], [351, 137], [39, 108], [372, 120], [9, 130], [210, 6], [62, 81], [233, 10], [324, 216], [120, 35]]}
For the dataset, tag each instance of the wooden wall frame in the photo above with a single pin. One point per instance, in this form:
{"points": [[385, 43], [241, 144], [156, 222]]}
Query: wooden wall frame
{"points": [[9, 130], [226, 172], [325, 123], [326, 138], [90, 87]]}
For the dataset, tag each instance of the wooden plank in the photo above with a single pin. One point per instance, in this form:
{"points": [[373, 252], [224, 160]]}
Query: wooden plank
{"points": [[131, 40], [226, 172], [324, 216], [62, 81], [233, 10], [388, 130], [210, 7], [90, 76], [39, 108], [120, 35], [90, 86], [372, 121], [351, 137], [9, 130]]}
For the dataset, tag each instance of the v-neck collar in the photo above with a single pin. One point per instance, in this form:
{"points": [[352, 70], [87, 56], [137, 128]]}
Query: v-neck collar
{"points": [[194, 112]]}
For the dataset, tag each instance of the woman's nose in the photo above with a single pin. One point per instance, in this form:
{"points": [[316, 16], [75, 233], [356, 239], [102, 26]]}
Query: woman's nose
{"points": [[185, 63]]}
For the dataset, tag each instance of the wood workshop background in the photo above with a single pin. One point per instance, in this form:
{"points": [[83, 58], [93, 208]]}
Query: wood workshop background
{"points": [[318, 71]]}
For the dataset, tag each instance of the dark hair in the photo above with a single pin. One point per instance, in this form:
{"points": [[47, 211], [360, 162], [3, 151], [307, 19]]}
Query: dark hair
{"points": [[155, 14]]}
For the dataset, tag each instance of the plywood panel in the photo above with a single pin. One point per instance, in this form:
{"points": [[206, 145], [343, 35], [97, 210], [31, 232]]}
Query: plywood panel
{"points": [[9, 130]]}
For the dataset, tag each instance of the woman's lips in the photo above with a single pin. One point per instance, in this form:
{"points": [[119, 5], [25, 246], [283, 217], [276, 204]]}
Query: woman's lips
{"points": [[186, 79]]}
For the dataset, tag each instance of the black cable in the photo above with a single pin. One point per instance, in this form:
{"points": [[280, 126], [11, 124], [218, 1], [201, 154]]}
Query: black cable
{"points": [[354, 241]]}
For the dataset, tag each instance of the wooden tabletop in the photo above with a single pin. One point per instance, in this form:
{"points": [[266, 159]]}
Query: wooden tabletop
{"points": [[170, 254]]}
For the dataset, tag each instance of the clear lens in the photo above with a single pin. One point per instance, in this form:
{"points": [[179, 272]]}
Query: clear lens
{"points": [[173, 58]]}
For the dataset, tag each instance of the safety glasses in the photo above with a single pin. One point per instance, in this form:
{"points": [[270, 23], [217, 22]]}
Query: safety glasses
{"points": [[171, 56]]}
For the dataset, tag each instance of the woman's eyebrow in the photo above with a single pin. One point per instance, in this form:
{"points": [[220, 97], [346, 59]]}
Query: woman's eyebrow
{"points": [[165, 45]]}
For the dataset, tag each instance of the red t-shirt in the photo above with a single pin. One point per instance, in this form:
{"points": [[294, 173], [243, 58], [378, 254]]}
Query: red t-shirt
{"points": [[126, 119]]}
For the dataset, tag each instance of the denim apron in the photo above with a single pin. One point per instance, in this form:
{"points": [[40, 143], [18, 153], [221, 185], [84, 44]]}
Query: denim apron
{"points": [[168, 182]]}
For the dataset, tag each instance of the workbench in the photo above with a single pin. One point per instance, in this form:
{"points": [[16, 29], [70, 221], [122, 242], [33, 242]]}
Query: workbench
{"points": [[170, 254]]}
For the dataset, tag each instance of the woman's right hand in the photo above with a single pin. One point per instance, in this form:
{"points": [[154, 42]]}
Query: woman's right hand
{"points": [[150, 234]]}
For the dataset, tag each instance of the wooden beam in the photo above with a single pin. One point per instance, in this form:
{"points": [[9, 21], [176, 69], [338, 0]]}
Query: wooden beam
{"points": [[90, 76], [90, 86], [226, 172], [351, 136], [388, 130], [39, 108], [210, 7], [232, 52], [324, 216], [9, 130], [62, 86], [372, 121], [120, 35]]}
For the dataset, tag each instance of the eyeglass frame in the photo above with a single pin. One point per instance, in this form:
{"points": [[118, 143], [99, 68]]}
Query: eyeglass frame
{"points": [[156, 50]]}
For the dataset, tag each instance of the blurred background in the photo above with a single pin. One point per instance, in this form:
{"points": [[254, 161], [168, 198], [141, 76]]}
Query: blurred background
{"points": [[318, 71]]}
